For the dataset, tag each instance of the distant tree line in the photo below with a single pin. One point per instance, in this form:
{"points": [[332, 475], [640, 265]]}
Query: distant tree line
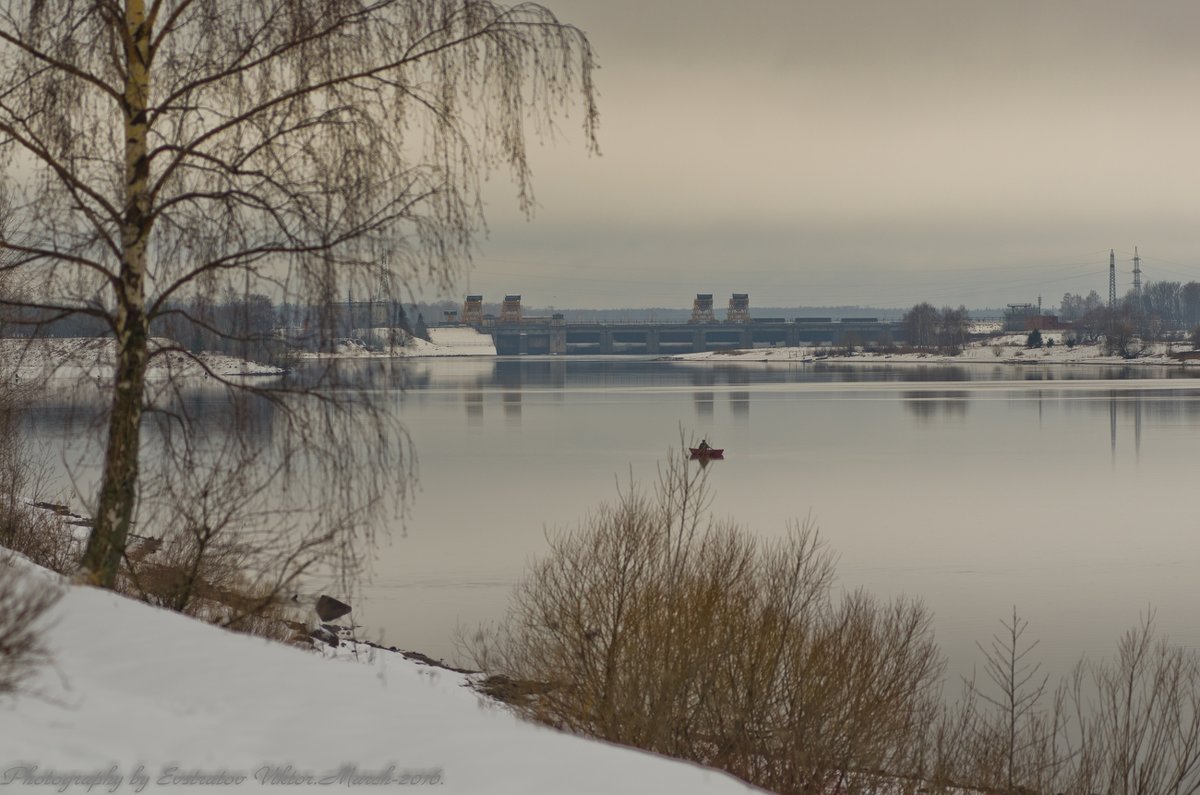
{"points": [[946, 330], [241, 325], [1161, 310], [238, 325], [1164, 308], [1074, 307], [248, 325]]}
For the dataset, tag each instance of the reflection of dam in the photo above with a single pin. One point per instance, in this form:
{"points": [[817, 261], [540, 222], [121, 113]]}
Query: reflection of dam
{"points": [[936, 403]]}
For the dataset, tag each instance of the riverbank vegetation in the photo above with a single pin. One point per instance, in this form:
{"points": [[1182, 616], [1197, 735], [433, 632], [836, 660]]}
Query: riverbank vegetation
{"points": [[656, 625], [24, 601], [204, 557]]}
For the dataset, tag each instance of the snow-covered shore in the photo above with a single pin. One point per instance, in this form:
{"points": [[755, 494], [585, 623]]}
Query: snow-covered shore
{"points": [[443, 341], [1005, 349], [84, 359], [136, 691], [92, 358]]}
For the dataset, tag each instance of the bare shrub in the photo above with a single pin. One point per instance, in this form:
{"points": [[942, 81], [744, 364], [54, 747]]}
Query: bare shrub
{"points": [[206, 578], [1005, 735], [40, 535], [24, 602], [1129, 724], [1143, 735], [657, 626], [227, 555]]}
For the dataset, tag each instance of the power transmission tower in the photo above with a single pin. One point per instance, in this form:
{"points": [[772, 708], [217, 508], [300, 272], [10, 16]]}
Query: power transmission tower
{"points": [[1112, 279], [1137, 273]]}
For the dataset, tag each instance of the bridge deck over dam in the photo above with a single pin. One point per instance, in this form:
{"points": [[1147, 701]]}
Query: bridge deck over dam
{"points": [[533, 336]]}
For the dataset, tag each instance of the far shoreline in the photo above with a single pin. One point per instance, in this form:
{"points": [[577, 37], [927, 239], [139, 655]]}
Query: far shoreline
{"points": [[1008, 349]]}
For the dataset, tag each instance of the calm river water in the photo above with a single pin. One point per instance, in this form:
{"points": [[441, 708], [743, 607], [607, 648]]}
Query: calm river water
{"points": [[1063, 491]]}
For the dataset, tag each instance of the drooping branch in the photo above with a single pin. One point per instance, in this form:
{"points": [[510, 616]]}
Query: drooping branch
{"points": [[59, 65], [160, 153]]}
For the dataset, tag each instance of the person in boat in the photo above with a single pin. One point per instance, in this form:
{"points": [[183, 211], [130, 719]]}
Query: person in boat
{"points": [[703, 445]]}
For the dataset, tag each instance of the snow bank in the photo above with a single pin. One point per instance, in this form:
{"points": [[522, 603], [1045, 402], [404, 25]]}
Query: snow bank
{"points": [[444, 341], [138, 691], [93, 358], [464, 339], [1006, 349]]}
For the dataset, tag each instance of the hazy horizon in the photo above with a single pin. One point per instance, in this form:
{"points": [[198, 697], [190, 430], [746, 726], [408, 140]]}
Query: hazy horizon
{"points": [[863, 152]]}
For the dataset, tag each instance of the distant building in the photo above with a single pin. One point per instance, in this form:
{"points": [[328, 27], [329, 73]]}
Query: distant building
{"points": [[739, 308], [510, 310], [1017, 316], [472, 313], [1027, 317]]}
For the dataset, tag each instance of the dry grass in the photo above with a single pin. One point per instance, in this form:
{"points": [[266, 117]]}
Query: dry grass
{"points": [[40, 535], [207, 578], [24, 602]]}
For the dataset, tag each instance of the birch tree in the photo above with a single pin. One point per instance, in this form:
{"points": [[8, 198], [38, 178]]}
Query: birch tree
{"points": [[154, 147]]}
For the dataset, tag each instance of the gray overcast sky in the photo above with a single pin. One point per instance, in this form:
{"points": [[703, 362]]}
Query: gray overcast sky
{"points": [[876, 152]]}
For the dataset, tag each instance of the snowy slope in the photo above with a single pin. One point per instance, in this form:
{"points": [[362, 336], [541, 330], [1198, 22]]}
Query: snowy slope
{"points": [[137, 686]]}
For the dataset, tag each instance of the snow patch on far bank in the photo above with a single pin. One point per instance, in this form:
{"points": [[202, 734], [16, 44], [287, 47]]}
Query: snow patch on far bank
{"points": [[464, 340], [1004, 349], [384, 343], [93, 358]]}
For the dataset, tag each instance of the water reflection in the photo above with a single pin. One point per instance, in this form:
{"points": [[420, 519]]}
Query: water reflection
{"points": [[509, 382], [473, 399], [1126, 405], [920, 373], [1137, 428], [936, 404], [512, 407], [739, 405], [702, 376], [1112, 424], [955, 517]]}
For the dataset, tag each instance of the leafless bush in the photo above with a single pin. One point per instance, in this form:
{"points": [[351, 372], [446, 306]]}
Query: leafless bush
{"points": [[656, 626], [1143, 734], [1005, 733], [1128, 725], [39, 535], [197, 575], [231, 550], [24, 602]]}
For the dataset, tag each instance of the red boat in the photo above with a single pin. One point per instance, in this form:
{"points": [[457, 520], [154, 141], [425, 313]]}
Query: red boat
{"points": [[707, 452]]}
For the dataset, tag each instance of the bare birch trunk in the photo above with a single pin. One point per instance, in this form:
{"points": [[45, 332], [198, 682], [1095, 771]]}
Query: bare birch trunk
{"points": [[118, 489]]}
